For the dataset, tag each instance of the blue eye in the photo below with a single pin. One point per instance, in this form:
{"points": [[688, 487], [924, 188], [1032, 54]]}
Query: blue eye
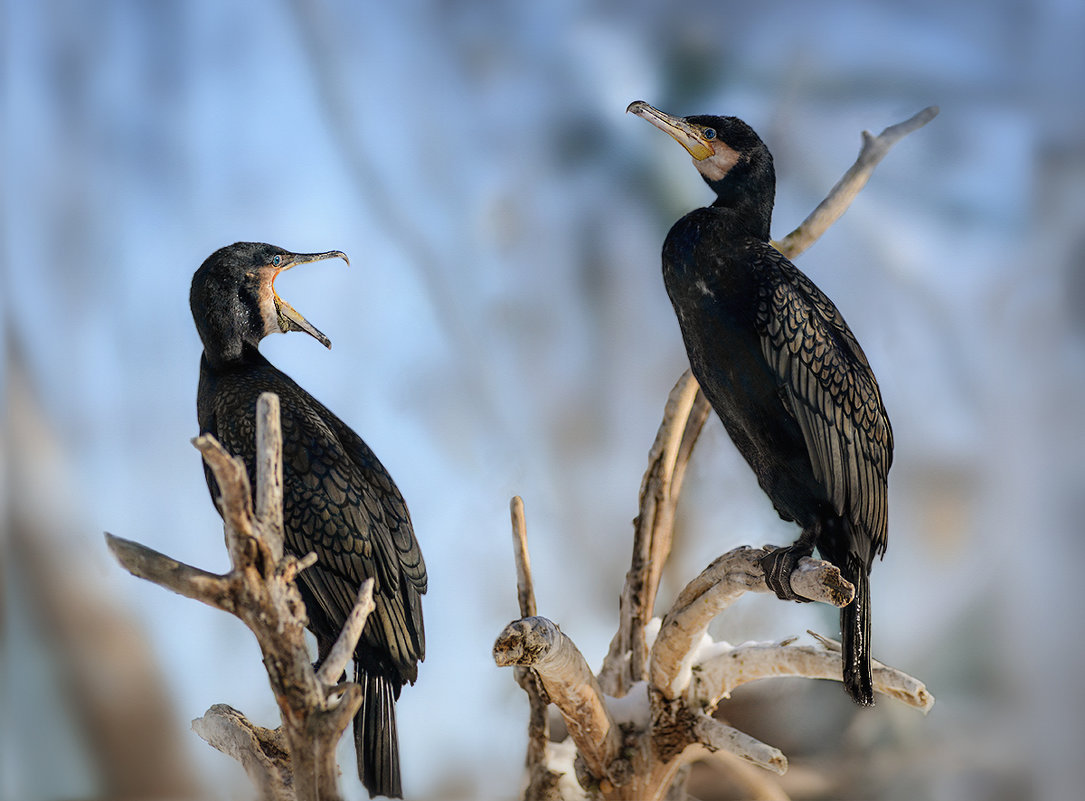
{"points": [[709, 133], [276, 261]]}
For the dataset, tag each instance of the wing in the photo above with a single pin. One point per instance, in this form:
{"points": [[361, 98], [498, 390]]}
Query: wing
{"points": [[340, 503], [832, 393], [343, 505]]}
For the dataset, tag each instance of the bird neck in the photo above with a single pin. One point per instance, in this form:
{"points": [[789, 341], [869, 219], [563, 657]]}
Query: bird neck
{"points": [[745, 196], [240, 354]]}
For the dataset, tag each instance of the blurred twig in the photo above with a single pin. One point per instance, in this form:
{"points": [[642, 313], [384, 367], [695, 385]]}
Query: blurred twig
{"points": [[441, 279], [843, 193]]}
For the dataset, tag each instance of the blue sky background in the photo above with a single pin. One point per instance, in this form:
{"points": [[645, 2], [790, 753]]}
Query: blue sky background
{"points": [[503, 328]]}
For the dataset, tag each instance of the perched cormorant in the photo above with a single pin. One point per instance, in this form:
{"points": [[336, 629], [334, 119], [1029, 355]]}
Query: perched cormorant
{"points": [[338, 500], [782, 370]]}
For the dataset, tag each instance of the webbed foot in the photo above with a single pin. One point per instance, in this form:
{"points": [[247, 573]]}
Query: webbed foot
{"points": [[778, 566]]}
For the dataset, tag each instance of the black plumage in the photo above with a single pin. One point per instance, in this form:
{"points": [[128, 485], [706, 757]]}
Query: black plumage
{"points": [[783, 371], [339, 501]]}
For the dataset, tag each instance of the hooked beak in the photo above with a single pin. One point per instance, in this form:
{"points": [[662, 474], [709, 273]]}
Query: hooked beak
{"points": [[688, 136], [290, 319]]}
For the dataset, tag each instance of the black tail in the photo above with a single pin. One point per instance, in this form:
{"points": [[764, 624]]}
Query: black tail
{"points": [[375, 736], [855, 634]]}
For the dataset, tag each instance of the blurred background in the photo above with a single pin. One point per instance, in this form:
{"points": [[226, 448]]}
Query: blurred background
{"points": [[503, 329]]}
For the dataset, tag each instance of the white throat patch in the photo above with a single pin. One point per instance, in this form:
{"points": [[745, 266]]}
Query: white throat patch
{"points": [[716, 166]]}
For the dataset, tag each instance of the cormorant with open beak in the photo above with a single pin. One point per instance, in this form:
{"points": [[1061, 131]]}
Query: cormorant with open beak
{"points": [[338, 500]]}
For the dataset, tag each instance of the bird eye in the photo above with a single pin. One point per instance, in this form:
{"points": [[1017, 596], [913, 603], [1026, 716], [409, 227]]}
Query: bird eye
{"points": [[276, 260], [709, 133]]}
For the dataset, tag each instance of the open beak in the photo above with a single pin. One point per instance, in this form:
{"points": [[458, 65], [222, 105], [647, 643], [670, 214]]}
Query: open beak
{"points": [[684, 134], [289, 317]]}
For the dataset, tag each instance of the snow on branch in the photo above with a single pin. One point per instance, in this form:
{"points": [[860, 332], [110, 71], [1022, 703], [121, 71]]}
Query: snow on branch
{"points": [[716, 588], [721, 668], [259, 589]]}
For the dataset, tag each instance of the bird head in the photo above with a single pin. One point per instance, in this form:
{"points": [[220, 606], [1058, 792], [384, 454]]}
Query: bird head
{"points": [[234, 302], [727, 152]]}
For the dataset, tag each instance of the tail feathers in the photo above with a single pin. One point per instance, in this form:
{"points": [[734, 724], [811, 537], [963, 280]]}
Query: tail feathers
{"points": [[375, 737], [855, 634]]}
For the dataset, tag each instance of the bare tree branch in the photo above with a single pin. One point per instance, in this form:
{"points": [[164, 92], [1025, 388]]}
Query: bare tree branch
{"points": [[525, 586], [262, 752], [843, 193], [269, 473], [717, 736], [542, 782], [337, 659], [729, 667], [537, 643], [716, 588], [260, 590], [191, 582], [683, 417]]}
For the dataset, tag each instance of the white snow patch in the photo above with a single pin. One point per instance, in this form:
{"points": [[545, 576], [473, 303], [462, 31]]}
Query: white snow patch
{"points": [[560, 760], [631, 708], [651, 631], [685, 672]]}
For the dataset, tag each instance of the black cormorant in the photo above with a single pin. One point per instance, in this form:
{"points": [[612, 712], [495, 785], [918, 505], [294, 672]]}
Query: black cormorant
{"points": [[338, 500], [782, 370]]}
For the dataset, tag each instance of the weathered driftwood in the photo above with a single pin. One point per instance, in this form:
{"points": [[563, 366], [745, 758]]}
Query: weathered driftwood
{"points": [[648, 714], [296, 761]]}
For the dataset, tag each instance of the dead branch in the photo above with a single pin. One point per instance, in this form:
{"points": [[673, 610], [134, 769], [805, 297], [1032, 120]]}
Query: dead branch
{"points": [[722, 668], [717, 736], [843, 193], [683, 417], [716, 588], [262, 752], [525, 585], [259, 589], [335, 663], [542, 781], [537, 643]]}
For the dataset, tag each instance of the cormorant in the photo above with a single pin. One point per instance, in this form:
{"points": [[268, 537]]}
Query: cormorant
{"points": [[338, 500], [783, 371]]}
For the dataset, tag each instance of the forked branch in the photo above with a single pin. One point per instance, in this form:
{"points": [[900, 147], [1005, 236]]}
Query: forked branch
{"points": [[259, 589]]}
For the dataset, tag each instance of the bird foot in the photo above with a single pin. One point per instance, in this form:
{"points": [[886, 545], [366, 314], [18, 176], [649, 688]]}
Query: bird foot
{"points": [[778, 565]]}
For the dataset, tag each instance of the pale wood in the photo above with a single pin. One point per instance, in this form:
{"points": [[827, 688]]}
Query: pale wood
{"points": [[729, 667], [269, 471], [262, 752], [537, 643], [259, 589], [542, 782], [342, 652], [717, 587]]}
